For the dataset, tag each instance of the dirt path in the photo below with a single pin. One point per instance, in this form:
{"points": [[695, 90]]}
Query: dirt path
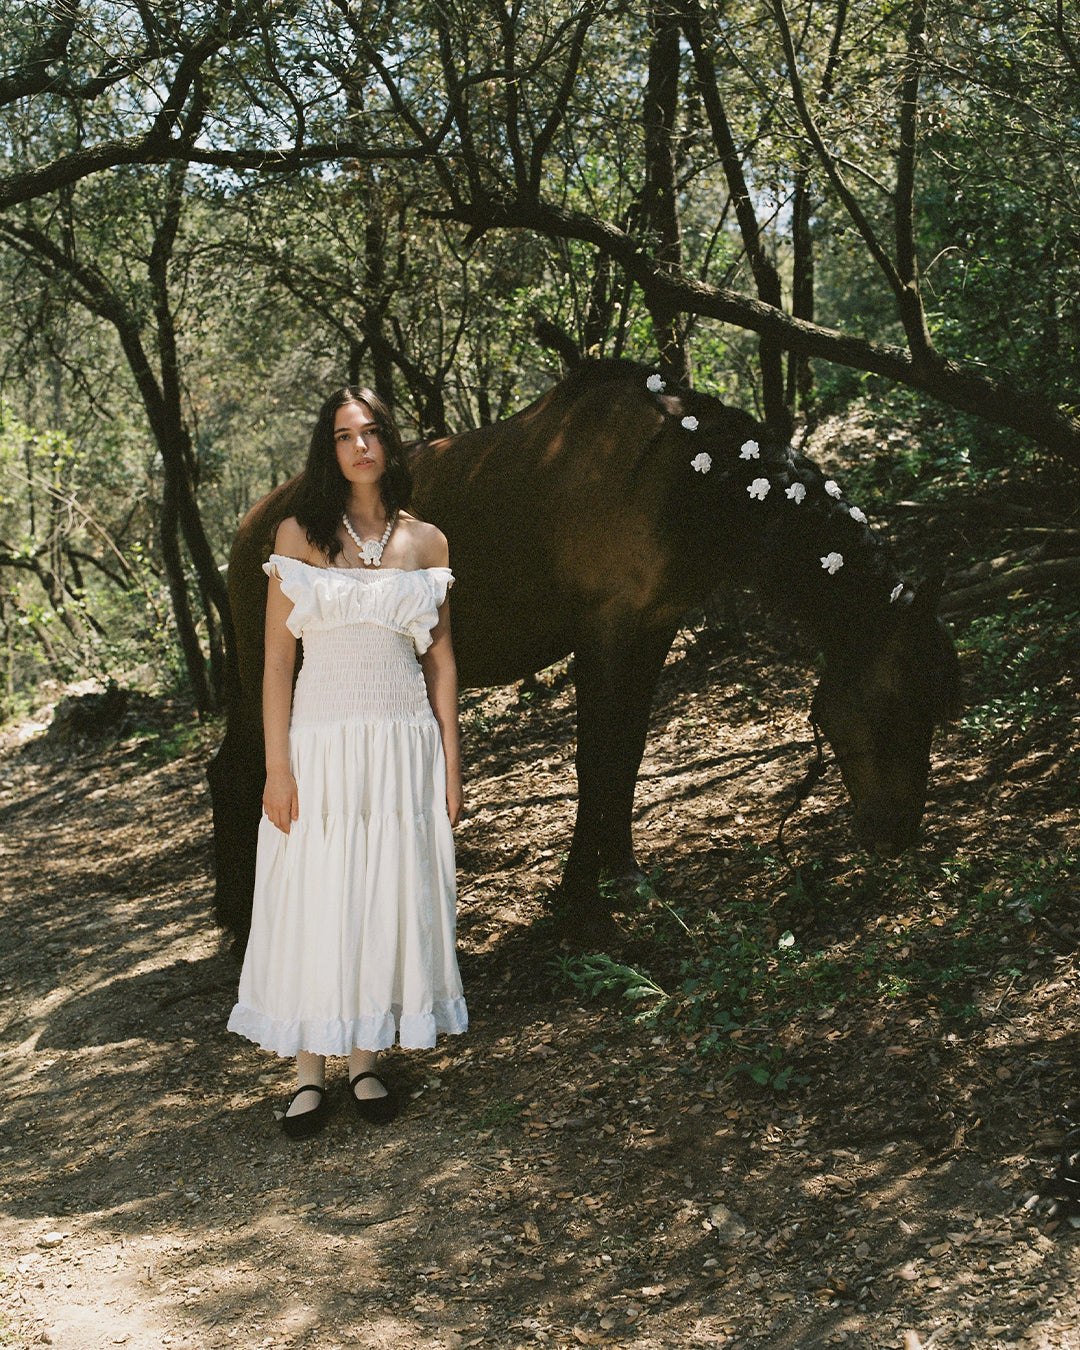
{"points": [[561, 1177]]}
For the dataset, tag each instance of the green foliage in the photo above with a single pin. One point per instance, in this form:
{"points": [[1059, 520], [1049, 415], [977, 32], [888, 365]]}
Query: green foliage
{"points": [[596, 975], [767, 1069], [501, 1112], [488, 176], [154, 743], [78, 599], [1022, 655], [742, 980]]}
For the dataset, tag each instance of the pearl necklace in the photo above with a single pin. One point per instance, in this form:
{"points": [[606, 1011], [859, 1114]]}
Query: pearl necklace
{"points": [[370, 552]]}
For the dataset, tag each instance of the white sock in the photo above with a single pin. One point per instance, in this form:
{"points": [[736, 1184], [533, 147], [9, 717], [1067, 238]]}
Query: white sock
{"points": [[365, 1061], [310, 1072]]}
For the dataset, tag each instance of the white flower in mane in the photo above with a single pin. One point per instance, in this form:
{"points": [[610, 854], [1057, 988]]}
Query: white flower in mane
{"points": [[832, 562], [858, 515], [690, 423], [897, 592], [759, 489], [796, 492], [833, 489], [702, 463], [655, 385], [750, 450]]}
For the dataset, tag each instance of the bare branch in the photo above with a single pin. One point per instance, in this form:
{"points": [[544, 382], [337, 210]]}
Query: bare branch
{"points": [[828, 160]]}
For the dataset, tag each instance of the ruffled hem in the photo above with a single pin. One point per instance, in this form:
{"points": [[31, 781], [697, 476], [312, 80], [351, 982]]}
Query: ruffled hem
{"points": [[413, 1031]]}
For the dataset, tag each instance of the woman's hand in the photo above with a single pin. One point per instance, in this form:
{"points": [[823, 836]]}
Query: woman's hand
{"points": [[455, 797], [280, 799]]}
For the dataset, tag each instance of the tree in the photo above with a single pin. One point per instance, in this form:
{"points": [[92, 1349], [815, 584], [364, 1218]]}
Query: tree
{"points": [[414, 186], [89, 87], [502, 131], [136, 300]]}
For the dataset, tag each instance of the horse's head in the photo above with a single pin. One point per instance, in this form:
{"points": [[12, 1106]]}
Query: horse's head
{"points": [[879, 719]]}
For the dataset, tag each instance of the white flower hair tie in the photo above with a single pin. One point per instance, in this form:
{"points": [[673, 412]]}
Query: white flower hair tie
{"points": [[655, 385], [690, 423], [750, 450], [796, 493], [701, 463], [759, 489], [832, 563], [833, 489]]}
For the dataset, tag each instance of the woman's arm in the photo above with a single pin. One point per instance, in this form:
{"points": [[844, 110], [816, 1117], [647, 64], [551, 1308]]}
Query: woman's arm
{"points": [[280, 799], [440, 675], [440, 669]]}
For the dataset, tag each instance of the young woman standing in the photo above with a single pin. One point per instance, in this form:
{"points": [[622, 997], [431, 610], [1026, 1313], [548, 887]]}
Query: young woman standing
{"points": [[353, 924]]}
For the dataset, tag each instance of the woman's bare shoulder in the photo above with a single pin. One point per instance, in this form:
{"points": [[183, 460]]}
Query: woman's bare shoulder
{"points": [[291, 541], [427, 543]]}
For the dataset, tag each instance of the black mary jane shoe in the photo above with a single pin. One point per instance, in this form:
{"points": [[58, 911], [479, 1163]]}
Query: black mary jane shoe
{"points": [[375, 1110], [306, 1123]]}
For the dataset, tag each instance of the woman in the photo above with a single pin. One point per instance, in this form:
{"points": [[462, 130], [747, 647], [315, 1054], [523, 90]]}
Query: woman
{"points": [[353, 924]]}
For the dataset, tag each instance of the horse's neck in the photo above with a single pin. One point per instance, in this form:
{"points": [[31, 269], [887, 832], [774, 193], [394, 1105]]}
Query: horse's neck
{"points": [[830, 572], [848, 625]]}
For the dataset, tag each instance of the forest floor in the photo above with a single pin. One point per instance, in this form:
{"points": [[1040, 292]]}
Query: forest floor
{"points": [[563, 1174]]}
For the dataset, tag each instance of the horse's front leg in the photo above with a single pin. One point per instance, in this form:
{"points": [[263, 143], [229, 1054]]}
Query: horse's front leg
{"points": [[595, 766], [615, 683], [639, 671]]}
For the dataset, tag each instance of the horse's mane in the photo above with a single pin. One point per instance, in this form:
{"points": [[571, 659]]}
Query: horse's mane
{"points": [[777, 542], [777, 536], [865, 592]]}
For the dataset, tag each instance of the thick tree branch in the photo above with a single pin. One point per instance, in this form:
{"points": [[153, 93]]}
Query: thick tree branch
{"points": [[33, 75], [956, 385], [28, 184], [1033, 576], [158, 142]]}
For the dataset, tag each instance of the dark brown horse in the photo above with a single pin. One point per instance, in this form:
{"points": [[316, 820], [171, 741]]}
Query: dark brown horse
{"points": [[591, 522]]}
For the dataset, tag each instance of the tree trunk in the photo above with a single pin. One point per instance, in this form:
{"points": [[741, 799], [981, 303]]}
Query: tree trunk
{"points": [[800, 376], [766, 277], [660, 207], [374, 320], [164, 405], [178, 594]]}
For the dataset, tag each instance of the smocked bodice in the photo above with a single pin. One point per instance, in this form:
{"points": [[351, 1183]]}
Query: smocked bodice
{"points": [[362, 631]]}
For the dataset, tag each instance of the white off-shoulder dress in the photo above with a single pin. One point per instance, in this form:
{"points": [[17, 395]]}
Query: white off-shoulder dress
{"points": [[354, 916]]}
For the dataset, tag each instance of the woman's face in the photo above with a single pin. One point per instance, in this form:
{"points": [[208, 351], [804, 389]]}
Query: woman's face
{"points": [[358, 444]]}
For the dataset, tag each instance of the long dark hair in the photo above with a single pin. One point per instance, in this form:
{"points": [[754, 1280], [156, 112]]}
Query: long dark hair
{"points": [[324, 489]]}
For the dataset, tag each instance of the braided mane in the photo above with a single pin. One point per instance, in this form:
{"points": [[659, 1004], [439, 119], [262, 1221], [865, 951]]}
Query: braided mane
{"points": [[778, 523]]}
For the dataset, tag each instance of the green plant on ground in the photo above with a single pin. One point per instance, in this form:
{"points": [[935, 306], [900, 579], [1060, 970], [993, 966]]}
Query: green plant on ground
{"points": [[597, 975], [941, 930], [1022, 652], [500, 1112], [766, 1068], [156, 745]]}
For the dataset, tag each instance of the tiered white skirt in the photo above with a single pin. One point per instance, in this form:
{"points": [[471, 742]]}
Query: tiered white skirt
{"points": [[354, 917]]}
